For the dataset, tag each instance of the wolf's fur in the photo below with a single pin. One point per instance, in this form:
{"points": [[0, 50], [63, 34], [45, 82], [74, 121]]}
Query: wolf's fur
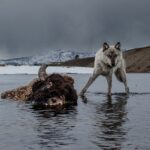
{"points": [[108, 60]]}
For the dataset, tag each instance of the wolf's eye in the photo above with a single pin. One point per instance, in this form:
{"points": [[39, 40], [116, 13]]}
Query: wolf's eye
{"points": [[115, 56]]}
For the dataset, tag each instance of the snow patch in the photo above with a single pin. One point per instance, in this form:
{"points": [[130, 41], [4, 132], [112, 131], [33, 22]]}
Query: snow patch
{"points": [[51, 69]]}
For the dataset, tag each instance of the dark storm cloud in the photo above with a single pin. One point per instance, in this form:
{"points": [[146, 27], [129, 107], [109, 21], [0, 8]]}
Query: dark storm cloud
{"points": [[30, 26]]}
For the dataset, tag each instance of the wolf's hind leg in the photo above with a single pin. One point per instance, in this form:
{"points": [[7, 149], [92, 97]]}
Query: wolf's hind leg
{"points": [[121, 76], [90, 81]]}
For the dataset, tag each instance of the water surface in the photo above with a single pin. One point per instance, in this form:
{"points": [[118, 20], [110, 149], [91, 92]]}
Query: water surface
{"points": [[122, 122]]}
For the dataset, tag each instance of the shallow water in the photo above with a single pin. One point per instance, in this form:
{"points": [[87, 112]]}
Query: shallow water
{"points": [[122, 122]]}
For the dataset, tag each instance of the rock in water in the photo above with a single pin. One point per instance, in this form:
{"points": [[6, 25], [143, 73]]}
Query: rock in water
{"points": [[48, 91]]}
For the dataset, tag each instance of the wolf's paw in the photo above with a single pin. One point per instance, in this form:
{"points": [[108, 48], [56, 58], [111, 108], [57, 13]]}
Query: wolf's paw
{"points": [[109, 94]]}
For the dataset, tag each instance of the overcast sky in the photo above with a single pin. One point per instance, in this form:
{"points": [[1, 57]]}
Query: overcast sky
{"points": [[28, 27]]}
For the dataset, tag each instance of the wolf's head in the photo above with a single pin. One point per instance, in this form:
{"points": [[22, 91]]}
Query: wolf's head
{"points": [[112, 54]]}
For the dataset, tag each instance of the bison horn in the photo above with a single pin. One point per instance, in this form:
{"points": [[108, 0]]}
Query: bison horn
{"points": [[42, 72]]}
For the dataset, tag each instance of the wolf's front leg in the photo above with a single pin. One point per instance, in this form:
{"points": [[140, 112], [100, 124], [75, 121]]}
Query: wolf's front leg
{"points": [[109, 81], [90, 81]]}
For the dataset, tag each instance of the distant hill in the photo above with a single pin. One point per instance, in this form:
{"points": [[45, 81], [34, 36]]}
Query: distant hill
{"points": [[49, 57], [137, 60]]}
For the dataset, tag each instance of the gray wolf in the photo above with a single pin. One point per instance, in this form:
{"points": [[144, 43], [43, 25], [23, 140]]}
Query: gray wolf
{"points": [[108, 60]]}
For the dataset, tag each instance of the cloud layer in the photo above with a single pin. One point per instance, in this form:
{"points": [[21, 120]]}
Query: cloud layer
{"points": [[28, 27]]}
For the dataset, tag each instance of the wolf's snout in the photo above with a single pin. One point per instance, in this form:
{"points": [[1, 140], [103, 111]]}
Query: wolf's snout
{"points": [[113, 64]]}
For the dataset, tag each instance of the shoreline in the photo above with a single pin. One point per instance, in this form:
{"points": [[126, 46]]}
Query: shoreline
{"points": [[8, 70]]}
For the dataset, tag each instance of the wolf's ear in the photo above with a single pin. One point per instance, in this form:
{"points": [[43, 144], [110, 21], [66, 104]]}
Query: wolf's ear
{"points": [[118, 46], [105, 46]]}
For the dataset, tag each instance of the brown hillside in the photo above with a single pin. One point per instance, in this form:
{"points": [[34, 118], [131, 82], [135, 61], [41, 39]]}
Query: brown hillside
{"points": [[138, 60]]}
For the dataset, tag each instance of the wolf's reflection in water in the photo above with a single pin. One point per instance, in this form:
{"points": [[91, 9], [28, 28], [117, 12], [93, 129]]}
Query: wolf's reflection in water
{"points": [[110, 117], [110, 121]]}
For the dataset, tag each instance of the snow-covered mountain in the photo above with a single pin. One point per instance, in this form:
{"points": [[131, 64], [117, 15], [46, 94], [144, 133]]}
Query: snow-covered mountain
{"points": [[51, 56]]}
